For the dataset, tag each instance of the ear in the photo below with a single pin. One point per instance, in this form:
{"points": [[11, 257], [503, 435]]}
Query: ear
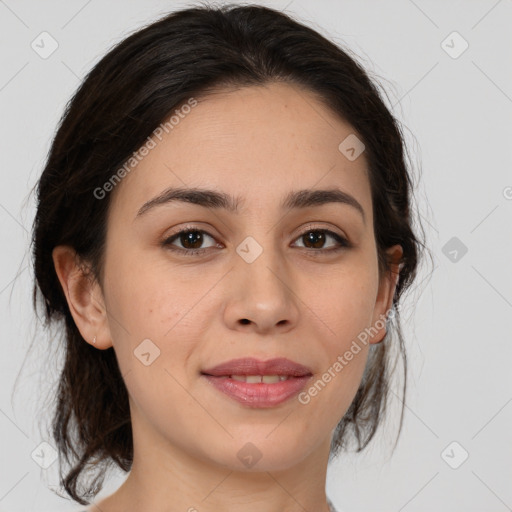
{"points": [[84, 297], [387, 287]]}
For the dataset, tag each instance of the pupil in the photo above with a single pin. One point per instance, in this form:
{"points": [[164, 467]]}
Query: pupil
{"points": [[189, 239], [317, 238]]}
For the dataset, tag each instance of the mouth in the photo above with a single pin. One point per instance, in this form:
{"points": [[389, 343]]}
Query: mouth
{"points": [[258, 384]]}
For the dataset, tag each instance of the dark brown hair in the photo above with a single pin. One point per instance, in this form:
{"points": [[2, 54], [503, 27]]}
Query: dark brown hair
{"points": [[128, 93]]}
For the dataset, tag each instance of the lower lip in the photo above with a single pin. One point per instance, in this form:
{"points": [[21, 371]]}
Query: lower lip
{"points": [[259, 394]]}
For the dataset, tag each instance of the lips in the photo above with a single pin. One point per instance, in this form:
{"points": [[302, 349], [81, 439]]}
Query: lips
{"points": [[258, 384], [281, 367]]}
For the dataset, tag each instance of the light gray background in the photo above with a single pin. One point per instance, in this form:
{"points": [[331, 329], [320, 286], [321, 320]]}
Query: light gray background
{"points": [[457, 116]]}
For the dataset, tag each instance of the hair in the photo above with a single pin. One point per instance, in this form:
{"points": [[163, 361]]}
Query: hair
{"points": [[122, 100]]}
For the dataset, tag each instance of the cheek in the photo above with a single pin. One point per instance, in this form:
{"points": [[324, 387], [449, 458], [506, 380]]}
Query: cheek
{"points": [[346, 305], [153, 336], [144, 296], [346, 310], [169, 309]]}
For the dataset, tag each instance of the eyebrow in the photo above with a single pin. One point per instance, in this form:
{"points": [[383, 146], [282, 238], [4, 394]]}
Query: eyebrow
{"points": [[220, 200]]}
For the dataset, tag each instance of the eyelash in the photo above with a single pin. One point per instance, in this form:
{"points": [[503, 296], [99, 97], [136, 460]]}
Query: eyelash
{"points": [[344, 243]]}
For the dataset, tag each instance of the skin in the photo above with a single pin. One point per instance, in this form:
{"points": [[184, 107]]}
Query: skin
{"points": [[258, 143]]}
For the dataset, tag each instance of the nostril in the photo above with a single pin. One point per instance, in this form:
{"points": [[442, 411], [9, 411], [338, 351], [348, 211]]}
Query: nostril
{"points": [[245, 321]]}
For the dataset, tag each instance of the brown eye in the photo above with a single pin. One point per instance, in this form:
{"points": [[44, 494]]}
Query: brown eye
{"points": [[316, 238], [190, 240]]}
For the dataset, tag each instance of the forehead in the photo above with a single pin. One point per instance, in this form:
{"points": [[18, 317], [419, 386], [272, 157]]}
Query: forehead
{"points": [[255, 142]]}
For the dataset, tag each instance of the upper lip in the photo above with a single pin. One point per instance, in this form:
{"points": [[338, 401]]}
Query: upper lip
{"points": [[252, 366]]}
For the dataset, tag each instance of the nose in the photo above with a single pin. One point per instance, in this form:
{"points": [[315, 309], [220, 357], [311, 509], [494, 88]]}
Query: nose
{"points": [[260, 296]]}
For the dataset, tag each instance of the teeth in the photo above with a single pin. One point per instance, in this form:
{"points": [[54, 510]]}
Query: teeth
{"points": [[254, 379]]}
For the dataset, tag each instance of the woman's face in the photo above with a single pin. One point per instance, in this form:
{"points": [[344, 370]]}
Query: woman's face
{"points": [[265, 286]]}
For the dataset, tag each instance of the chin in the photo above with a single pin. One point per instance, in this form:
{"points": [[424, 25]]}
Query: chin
{"points": [[254, 453]]}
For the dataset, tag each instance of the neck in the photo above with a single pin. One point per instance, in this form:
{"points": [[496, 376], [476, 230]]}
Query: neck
{"points": [[166, 478]]}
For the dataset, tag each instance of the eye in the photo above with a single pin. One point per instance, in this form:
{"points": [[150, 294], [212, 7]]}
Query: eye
{"points": [[317, 238], [191, 240]]}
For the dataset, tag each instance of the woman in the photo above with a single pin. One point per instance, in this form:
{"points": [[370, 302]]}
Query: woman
{"points": [[224, 232]]}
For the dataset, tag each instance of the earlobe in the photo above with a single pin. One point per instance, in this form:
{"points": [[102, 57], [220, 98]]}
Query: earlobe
{"points": [[84, 297], [387, 287]]}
